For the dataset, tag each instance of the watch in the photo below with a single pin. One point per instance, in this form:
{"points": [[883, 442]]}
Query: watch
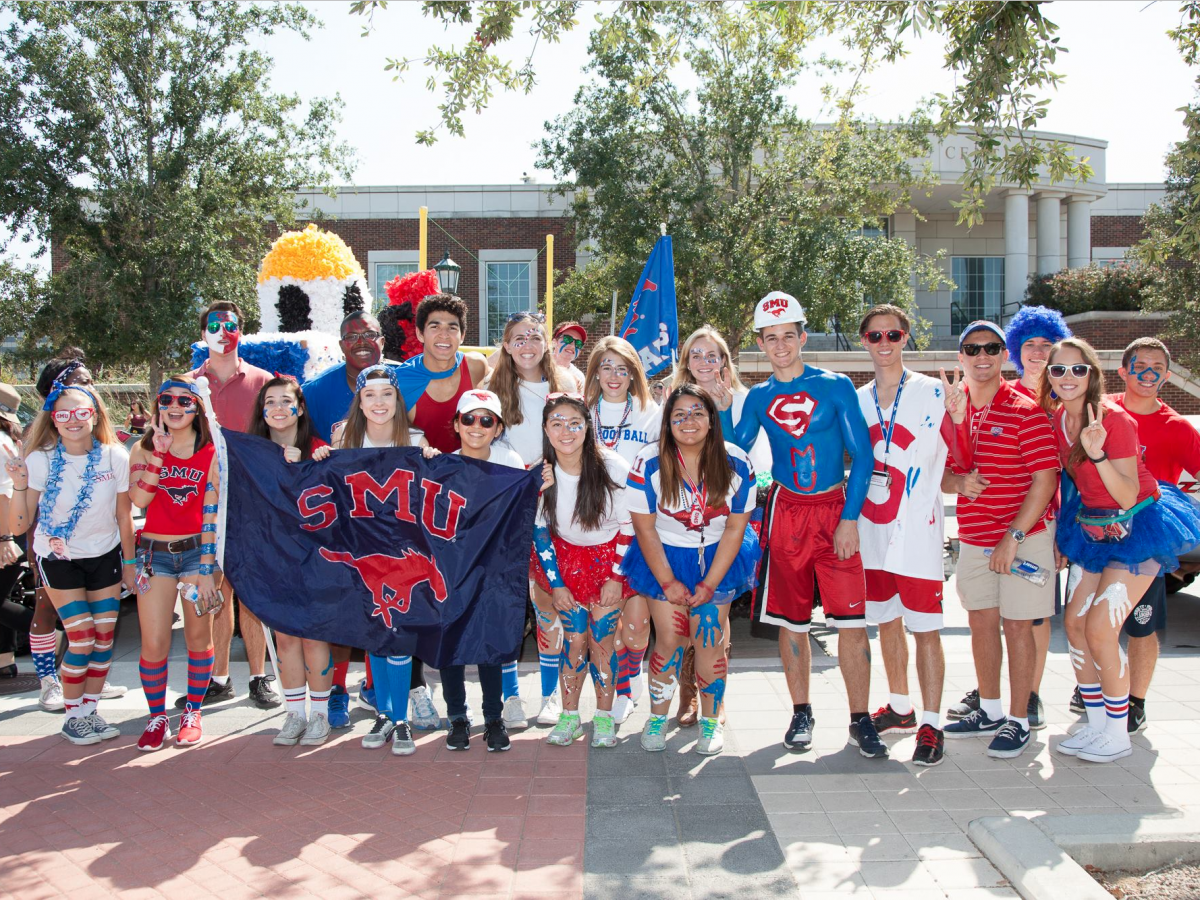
{"points": [[1017, 535]]}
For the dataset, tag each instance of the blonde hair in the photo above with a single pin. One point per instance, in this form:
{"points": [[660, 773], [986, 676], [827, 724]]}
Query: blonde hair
{"points": [[43, 435], [683, 374], [1093, 397], [505, 381], [355, 429], [623, 350]]}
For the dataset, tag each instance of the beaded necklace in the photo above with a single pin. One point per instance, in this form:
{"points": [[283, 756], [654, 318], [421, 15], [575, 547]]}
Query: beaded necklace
{"points": [[611, 445], [60, 534]]}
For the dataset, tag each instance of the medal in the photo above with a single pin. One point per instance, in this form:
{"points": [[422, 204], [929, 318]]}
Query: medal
{"points": [[697, 515], [699, 495]]}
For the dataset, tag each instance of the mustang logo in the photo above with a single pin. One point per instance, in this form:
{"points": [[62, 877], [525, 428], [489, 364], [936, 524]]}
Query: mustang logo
{"points": [[391, 579], [180, 495]]}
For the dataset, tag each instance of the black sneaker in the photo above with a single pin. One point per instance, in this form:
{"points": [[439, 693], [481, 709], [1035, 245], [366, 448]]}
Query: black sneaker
{"points": [[864, 736], [931, 746], [1036, 713], [1076, 703], [887, 721], [495, 735], [216, 693], [459, 736], [1137, 719], [800, 732], [965, 706], [261, 693]]}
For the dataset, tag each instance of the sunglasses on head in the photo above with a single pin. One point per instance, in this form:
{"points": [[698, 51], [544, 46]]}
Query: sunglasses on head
{"points": [[993, 348], [484, 420], [183, 401], [525, 314], [1079, 370], [894, 336], [79, 414]]}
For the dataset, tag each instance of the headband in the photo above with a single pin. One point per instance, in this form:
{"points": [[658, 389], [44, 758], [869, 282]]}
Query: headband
{"points": [[56, 390], [185, 385], [391, 378]]}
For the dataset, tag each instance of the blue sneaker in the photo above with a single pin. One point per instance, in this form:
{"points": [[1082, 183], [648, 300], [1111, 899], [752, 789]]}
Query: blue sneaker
{"points": [[864, 736], [366, 699], [1010, 741], [974, 723], [339, 707]]}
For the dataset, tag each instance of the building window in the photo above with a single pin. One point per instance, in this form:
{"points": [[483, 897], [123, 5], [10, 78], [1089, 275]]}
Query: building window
{"points": [[878, 229], [385, 272], [980, 290], [508, 279]]}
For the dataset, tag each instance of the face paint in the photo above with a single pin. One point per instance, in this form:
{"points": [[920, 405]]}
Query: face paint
{"points": [[695, 411], [559, 422], [222, 332], [1145, 375]]}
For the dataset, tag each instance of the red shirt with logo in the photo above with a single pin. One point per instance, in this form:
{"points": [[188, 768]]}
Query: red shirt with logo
{"points": [[1121, 442], [178, 504], [1170, 445]]}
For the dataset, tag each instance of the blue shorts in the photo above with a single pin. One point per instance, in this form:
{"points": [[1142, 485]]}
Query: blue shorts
{"points": [[167, 564]]}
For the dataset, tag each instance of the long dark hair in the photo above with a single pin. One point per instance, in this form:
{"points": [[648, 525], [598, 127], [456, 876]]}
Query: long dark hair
{"points": [[715, 470], [304, 428], [199, 420], [596, 486]]}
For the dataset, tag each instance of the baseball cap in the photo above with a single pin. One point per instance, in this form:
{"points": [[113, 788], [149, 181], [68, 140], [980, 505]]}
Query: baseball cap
{"points": [[981, 325], [478, 399], [778, 308], [10, 400], [571, 328]]}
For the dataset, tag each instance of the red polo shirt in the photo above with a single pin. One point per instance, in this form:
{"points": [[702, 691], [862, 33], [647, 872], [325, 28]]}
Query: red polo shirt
{"points": [[233, 399]]}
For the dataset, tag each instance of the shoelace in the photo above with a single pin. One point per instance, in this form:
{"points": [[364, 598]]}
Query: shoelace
{"points": [[83, 725], [425, 707], [927, 736], [603, 724], [381, 724], [190, 719], [655, 725], [708, 727], [800, 722], [1009, 730], [157, 723], [401, 733]]}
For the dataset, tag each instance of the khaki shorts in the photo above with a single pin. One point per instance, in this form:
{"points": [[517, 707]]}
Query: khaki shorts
{"points": [[981, 588]]}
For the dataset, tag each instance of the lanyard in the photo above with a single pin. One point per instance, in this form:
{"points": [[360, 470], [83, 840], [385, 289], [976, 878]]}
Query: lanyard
{"points": [[890, 425], [699, 494]]}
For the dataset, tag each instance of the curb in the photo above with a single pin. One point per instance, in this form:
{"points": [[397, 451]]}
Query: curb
{"points": [[1032, 862]]}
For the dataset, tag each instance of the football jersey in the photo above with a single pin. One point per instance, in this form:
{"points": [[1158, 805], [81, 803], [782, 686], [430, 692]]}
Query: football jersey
{"points": [[626, 440]]}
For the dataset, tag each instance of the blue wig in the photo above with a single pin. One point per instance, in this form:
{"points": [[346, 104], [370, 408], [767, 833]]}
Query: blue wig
{"points": [[1031, 322]]}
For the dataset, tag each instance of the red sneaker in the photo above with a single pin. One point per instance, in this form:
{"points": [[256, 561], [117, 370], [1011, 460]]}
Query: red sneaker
{"points": [[189, 728], [158, 729]]}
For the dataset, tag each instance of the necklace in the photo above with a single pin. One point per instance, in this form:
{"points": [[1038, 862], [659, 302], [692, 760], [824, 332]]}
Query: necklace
{"points": [[60, 534], [699, 493], [624, 420]]}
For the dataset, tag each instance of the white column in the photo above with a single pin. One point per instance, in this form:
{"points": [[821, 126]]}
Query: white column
{"points": [[1049, 232], [1016, 249], [1079, 232]]}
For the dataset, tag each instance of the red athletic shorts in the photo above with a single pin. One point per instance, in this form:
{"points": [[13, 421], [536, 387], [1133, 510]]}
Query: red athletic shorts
{"points": [[890, 596], [584, 570], [798, 550]]}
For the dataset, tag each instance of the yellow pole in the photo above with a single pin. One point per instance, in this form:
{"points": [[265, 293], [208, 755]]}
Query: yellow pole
{"points": [[549, 283], [423, 245]]}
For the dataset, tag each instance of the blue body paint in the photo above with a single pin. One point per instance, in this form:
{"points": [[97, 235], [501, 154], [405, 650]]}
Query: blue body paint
{"points": [[716, 690], [709, 625], [605, 625]]}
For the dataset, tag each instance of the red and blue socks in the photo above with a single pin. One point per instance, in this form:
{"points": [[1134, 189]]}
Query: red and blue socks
{"points": [[319, 703], [296, 698], [200, 666], [42, 647], [340, 670], [1093, 704], [154, 685], [1117, 712], [630, 662]]}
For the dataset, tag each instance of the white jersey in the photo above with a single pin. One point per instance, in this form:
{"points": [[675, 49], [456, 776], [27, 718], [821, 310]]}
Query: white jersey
{"points": [[626, 437], [616, 514], [526, 438], [901, 526], [501, 455]]}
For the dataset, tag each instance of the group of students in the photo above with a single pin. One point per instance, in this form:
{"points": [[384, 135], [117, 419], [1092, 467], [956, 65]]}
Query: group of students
{"points": [[643, 523]]}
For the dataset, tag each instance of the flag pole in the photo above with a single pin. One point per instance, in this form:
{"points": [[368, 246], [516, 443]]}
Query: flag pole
{"points": [[662, 229], [612, 319], [550, 283], [423, 239]]}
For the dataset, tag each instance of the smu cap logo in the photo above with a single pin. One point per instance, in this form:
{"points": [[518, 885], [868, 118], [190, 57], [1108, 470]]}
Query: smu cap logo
{"points": [[391, 579], [776, 306], [792, 412]]}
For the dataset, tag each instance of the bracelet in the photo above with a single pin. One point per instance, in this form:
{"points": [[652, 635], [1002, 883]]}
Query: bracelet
{"points": [[20, 489], [209, 526], [5, 537], [129, 562], [1099, 459], [207, 568], [209, 508]]}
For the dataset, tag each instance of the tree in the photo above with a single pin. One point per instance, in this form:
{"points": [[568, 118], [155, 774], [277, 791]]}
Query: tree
{"points": [[143, 141], [756, 198]]}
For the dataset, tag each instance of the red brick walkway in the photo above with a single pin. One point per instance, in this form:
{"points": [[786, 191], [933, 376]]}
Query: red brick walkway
{"points": [[238, 817]]}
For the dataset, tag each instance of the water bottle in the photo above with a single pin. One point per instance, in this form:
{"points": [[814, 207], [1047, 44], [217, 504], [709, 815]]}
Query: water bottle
{"points": [[1030, 571], [191, 594]]}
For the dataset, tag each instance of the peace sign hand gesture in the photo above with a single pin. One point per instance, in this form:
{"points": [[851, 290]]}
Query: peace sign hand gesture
{"points": [[956, 396], [1093, 434], [722, 391], [16, 469]]}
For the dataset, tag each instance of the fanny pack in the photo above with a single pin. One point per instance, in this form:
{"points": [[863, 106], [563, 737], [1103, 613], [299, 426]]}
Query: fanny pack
{"points": [[1110, 526]]}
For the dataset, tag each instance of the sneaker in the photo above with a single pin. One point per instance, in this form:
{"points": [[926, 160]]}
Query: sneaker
{"points": [[51, 698], [712, 736], [1010, 741], [864, 736], [158, 731], [262, 694], [495, 735], [604, 731], [637, 686], [1072, 744], [1137, 719], [551, 709], [339, 707], [106, 731], [800, 732], [1036, 713], [189, 729], [653, 738], [887, 721], [293, 728], [974, 724], [215, 693], [366, 698], [967, 705], [80, 731], [459, 736], [1076, 704], [380, 733], [1106, 748], [425, 716], [317, 731], [112, 691], [514, 713], [623, 708], [567, 731], [402, 740], [931, 746]]}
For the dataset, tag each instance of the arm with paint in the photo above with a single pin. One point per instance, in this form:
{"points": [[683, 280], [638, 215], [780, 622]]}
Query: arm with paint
{"points": [[210, 597], [741, 505], [147, 466], [857, 442], [745, 431]]}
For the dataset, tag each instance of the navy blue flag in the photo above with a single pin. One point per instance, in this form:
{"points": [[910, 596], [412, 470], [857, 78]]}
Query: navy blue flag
{"points": [[652, 323], [383, 550]]}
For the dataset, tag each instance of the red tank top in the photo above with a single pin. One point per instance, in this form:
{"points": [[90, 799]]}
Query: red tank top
{"points": [[178, 504], [437, 419]]}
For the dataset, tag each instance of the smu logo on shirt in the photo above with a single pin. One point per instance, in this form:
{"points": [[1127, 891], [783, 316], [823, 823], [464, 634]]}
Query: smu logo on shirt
{"points": [[792, 412], [885, 513]]}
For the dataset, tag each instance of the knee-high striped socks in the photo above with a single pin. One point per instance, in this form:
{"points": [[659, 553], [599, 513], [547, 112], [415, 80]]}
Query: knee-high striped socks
{"points": [[510, 686], [42, 647], [548, 664], [154, 685], [200, 666], [630, 662]]}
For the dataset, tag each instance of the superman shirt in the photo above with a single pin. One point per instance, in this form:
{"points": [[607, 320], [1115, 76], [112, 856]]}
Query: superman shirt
{"points": [[673, 514]]}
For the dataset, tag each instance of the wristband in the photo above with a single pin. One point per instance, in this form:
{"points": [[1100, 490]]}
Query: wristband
{"points": [[20, 489], [207, 568], [129, 562], [666, 584], [148, 488], [210, 549], [209, 508], [1101, 458], [5, 537], [209, 526]]}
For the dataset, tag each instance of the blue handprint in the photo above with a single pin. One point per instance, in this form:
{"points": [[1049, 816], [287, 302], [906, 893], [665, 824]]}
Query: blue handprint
{"points": [[675, 663], [598, 678], [605, 625], [575, 621], [709, 625], [716, 690]]}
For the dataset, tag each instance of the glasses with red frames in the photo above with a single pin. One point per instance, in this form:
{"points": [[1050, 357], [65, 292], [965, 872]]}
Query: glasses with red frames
{"points": [[79, 414], [895, 336], [183, 401]]}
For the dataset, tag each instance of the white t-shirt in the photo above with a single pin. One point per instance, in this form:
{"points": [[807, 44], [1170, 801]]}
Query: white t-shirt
{"points": [[414, 440], [673, 520], [573, 371], [642, 428], [526, 438], [501, 456], [900, 529], [6, 482], [616, 513], [96, 532]]}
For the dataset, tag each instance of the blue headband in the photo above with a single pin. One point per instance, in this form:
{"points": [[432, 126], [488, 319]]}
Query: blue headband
{"points": [[56, 391], [168, 384], [361, 382]]}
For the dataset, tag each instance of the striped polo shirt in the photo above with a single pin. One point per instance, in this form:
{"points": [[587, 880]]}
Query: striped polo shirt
{"points": [[1007, 441]]}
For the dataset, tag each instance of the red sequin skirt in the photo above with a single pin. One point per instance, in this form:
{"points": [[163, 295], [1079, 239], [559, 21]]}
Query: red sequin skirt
{"points": [[584, 570]]}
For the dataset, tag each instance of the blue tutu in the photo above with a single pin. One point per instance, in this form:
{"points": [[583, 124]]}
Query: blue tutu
{"points": [[1160, 533], [685, 564]]}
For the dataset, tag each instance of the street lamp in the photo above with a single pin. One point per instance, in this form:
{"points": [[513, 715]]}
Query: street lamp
{"points": [[447, 272]]}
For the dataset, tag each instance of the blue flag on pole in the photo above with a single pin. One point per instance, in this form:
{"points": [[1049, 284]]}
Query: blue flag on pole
{"points": [[652, 323], [382, 549]]}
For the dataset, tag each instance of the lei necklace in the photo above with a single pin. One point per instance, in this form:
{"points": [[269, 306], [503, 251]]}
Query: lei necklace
{"points": [[60, 534], [624, 419]]}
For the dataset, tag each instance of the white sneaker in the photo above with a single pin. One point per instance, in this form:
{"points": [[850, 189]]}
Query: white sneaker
{"points": [[1072, 744], [112, 691], [622, 709], [317, 731], [51, 699], [293, 728], [1106, 748], [424, 715], [380, 733], [551, 710], [514, 713], [637, 686]]}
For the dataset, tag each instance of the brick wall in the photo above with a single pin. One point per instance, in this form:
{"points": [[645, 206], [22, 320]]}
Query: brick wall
{"points": [[1119, 333], [1116, 231]]}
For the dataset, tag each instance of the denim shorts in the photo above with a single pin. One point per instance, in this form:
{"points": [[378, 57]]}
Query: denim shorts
{"points": [[167, 564]]}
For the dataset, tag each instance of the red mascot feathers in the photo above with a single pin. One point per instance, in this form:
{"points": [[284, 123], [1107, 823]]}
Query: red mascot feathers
{"points": [[398, 318]]}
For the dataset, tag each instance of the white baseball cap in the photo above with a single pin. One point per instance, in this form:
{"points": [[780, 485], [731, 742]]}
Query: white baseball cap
{"points": [[479, 399], [778, 308]]}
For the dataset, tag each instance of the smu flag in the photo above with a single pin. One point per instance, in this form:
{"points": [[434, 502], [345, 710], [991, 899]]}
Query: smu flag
{"points": [[652, 324], [382, 549]]}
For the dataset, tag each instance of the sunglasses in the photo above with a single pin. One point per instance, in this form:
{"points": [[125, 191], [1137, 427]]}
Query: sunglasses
{"points": [[214, 326], [357, 337], [1079, 370], [525, 314], [79, 414], [569, 395], [566, 339], [183, 401], [485, 421], [874, 337], [991, 349]]}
